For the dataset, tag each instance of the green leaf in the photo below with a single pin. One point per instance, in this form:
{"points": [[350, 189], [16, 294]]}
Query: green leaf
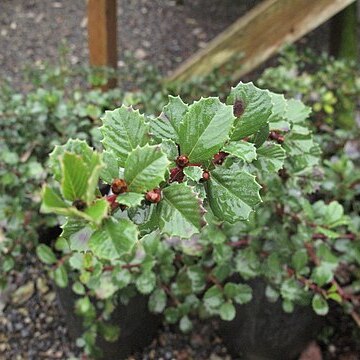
{"points": [[124, 130], [157, 301], [171, 315], [278, 117], [205, 128], [121, 277], [111, 168], [256, 105], [198, 279], [145, 168], [98, 210], [299, 259], [290, 290], [261, 135], [146, 282], [53, 203], [194, 173], [270, 157], [232, 193], [213, 298], [180, 211], [324, 273], [320, 305], [297, 112], [74, 177], [185, 324], [227, 311], [247, 263], [114, 239], [45, 254], [77, 233], [241, 149], [130, 199], [240, 293], [60, 276], [167, 125]]}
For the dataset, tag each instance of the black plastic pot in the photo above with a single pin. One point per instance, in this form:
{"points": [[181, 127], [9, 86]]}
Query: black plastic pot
{"points": [[138, 326], [263, 331]]}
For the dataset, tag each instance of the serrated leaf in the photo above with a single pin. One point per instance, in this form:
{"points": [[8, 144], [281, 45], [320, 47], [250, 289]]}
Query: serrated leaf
{"points": [[45, 254], [193, 173], [130, 199], [114, 239], [320, 305], [270, 157], [241, 149], [227, 311], [53, 203], [204, 129], [256, 104], [167, 125], [170, 149], [297, 112], [74, 177], [232, 193], [111, 169], [145, 168], [98, 210], [123, 130], [277, 119], [180, 212], [261, 135], [157, 301]]}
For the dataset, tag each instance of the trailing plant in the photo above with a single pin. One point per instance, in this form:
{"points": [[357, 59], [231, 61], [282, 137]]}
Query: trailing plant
{"points": [[167, 210]]}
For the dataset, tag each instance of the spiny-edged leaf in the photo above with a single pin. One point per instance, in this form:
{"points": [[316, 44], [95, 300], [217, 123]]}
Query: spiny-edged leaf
{"points": [[205, 129], [78, 147], [297, 112], [98, 210], [320, 305], [114, 239], [45, 254], [241, 149], [130, 199], [166, 126], [124, 129], [145, 168], [261, 135], [193, 173], [277, 119], [111, 169], [180, 211], [53, 203], [255, 107], [170, 149], [232, 193], [270, 157], [74, 177]]}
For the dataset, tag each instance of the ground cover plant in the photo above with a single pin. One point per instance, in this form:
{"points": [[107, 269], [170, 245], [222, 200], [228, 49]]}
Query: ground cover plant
{"points": [[173, 218]]}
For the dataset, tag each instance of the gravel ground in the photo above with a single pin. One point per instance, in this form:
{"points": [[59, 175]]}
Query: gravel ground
{"points": [[161, 32]]}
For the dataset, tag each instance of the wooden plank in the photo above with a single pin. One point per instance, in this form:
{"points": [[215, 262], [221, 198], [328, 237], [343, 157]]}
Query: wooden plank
{"points": [[258, 35], [102, 34], [344, 33]]}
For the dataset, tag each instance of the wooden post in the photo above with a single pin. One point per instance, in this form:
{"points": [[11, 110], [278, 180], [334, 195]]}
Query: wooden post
{"points": [[102, 35], [344, 33], [258, 35]]}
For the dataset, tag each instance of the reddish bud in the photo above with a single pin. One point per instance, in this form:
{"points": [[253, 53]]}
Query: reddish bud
{"points": [[119, 186], [238, 108], [274, 135], [182, 161], [112, 201], [153, 196], [176, 174], [219, 158], [79, 204], [205, 176]]}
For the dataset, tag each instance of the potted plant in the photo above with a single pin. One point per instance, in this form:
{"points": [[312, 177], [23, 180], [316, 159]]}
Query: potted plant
{"points": [[165, 214]]}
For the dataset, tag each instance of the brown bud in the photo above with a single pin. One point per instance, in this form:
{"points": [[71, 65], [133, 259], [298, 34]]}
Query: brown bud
{"points": [[238, 108], [153, 196], [274, 135], [79, 204], [119, 186], [205, 176], [182, 161], [176, 174], [219, 158]]}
